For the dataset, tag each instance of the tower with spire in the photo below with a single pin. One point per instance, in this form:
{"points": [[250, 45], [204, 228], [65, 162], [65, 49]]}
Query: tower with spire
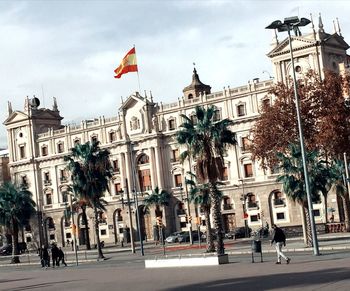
{"points": [[196, 88]]}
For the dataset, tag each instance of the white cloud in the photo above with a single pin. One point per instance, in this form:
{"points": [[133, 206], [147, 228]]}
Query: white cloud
{"points": [[69, 49]]}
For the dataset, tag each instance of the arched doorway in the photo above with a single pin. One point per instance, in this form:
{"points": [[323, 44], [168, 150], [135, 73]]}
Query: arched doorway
{"points": [[66, 231], [49, 231], [118, 222], [145, 222]]}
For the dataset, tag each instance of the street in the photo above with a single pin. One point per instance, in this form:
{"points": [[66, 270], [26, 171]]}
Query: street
{"points": [[126, 271]]}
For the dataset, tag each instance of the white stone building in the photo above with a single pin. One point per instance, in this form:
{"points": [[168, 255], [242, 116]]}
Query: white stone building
{"points": [[145, 154]]}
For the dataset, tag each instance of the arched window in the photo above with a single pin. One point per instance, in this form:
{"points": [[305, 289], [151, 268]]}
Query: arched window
{"points": [[143, 159]]}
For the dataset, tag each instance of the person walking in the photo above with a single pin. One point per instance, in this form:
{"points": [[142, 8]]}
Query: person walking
{"points": [[54, 254], [44, 257], [61, 257], [279, 238]]}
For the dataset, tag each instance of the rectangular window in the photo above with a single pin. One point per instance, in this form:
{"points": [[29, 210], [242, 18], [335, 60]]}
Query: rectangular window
{"points": [[117, 188], [29, 239], [60, 147], [316, 212], [63, 175], [64, 197], [103, 231], [241, 110], [172, 124], [68, 235], [22, 152], [217, 116], [112, 136], [225, 174], [116, 166], [280, 215], [24, 181], [145, 180], [248, 170], [178, 180], [52, 236], [44, 151], [183, 224], [46, 177], [48, 199], [254, 218], [175, 156], [246, 144], [94, 139]]}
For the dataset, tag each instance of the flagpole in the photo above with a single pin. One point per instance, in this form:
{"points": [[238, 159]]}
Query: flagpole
{"points": [[138, 76]]}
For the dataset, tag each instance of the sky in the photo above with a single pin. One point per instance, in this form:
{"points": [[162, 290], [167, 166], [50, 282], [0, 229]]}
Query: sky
{"points": [[69, 49]]}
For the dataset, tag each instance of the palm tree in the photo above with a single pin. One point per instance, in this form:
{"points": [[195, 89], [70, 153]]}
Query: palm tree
{"points": [[91, 171], [158, 199], [293, 181], [339, 186], [200, 195], [207, 141], [16, 209]]}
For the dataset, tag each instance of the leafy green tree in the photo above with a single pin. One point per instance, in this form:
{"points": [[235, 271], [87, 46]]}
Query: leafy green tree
{"points": [[206, 141], [16, 209], [91, 171], [292, 179]]}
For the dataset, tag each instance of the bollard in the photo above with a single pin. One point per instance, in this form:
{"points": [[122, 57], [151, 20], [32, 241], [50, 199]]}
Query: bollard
{"points": [[256, 248]]}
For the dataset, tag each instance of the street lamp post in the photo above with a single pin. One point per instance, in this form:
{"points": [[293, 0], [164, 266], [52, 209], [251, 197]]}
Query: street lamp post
{"points": [[74, 230], [133, 173], [289, 24], [244, 201]]}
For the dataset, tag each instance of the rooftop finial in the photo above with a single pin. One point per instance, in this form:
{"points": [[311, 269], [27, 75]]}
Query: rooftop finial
{"points": [[313, 26], [338, 26], [54, 107], [320, 24], [9, 107]]}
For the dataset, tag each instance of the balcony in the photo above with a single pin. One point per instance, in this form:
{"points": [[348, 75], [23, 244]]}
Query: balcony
{"points": [[227, 207], [253, 205], [181, 212], [280, 202], [47, 182]]}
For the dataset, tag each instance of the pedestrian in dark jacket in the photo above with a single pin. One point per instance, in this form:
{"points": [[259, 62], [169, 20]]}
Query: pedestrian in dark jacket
{"points": [[54, 253], [61, 257], [279, 238], [44, 257]]}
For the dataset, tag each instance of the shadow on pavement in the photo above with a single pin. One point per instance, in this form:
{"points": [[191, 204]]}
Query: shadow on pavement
{"points": [[14, 280], [40, 286], [273, 281]]}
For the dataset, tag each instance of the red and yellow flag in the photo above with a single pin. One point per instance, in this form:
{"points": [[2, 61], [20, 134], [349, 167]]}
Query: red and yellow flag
{"points": [[127, 65]]}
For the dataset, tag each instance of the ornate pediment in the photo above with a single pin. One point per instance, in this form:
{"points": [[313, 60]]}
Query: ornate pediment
{"points": [[335, 40], [16, 116], [134, 99], [298, 43]]}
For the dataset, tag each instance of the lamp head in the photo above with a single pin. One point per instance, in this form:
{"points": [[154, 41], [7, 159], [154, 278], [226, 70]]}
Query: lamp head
{"points": [[274, 25]]}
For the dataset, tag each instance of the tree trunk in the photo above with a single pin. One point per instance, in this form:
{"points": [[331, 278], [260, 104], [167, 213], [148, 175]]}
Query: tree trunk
{"points": [[325, 207], [97, 232], [87, 235], [308, 226], [210, 240], [15, 253], [346, 212], [217, 217]]}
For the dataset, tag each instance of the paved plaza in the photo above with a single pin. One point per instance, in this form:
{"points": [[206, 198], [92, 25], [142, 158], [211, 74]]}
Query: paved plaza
{"points": [[125, 271]]}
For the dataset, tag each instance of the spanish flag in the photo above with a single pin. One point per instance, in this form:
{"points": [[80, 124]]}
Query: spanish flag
{"points": [[127, 65]]}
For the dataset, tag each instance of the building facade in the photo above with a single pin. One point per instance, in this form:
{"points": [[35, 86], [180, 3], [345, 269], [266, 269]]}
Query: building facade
{"points": [[144, 154]]}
